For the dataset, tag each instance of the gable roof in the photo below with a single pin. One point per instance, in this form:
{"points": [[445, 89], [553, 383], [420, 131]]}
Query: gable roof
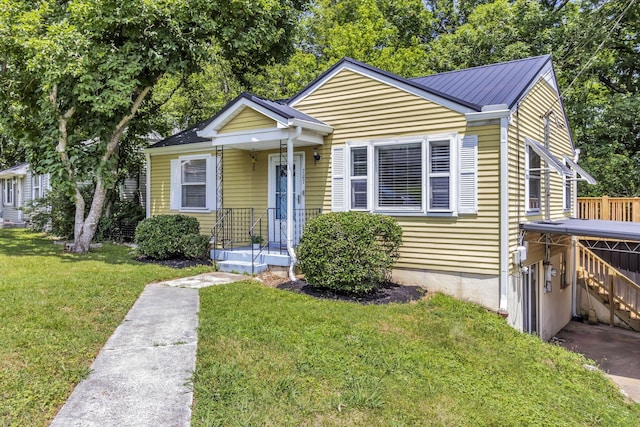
{"points": [[466, 91], [280, 109], [501, 83]]}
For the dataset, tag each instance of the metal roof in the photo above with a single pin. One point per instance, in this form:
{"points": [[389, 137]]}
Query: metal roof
{"points": [[619, 230], [502, 83]]}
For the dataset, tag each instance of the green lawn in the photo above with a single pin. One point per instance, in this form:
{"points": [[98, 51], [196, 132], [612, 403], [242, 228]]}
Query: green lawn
{"points": [[56, 311], [271, 357]]}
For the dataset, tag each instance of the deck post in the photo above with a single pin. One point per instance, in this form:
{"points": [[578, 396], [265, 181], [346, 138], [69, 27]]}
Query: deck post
{"points": [[604, 208], [635, 209]]}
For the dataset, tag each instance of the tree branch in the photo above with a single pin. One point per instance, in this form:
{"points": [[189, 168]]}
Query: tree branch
{"points": [[121, 126]]}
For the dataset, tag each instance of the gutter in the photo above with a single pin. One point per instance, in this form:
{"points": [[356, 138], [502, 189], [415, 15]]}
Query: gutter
{"points": [[290, 213]]}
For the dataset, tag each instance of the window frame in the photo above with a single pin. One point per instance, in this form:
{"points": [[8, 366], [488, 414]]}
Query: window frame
{"points": [[372, 177], [567, 192], [36, 183], [527, 181], [9, 192], [211, 198]]}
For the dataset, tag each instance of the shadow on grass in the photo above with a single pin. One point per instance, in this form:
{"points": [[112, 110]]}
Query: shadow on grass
{"points": [[24, 242]]}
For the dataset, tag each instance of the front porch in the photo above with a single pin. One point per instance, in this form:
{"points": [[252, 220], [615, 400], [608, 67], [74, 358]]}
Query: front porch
{"points": [[251, 240]]}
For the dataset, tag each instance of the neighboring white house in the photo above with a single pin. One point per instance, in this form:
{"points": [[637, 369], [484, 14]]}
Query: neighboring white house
{"points": [[18, 186]]}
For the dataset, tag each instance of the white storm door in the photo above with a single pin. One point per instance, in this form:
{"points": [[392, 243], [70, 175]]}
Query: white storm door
{"points": [[278, 197]]}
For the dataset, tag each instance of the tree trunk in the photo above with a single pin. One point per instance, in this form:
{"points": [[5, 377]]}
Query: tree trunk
{"points": [[86, 229]]}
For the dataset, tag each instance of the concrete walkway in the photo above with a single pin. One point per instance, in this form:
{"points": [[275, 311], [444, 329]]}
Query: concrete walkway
{"points": [[616, 351], [141, 377]]}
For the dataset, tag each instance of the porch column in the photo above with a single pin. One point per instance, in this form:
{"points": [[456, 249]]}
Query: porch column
{"points": [[293, 136]]}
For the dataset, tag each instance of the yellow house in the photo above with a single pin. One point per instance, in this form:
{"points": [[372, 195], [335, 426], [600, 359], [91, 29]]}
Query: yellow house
{"points": [[461, 159]]}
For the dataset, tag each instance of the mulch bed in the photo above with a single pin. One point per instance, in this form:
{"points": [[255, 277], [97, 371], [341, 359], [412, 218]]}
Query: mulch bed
{"points": [[387, 294]]}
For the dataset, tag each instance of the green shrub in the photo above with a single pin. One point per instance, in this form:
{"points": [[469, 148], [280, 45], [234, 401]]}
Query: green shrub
{"points": [[166, 236], [121, 223], [55, 212], [351, 252], [195, 246]]}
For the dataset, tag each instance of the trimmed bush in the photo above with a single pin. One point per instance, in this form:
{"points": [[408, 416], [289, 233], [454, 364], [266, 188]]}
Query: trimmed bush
{"points": [[195, 246], [170, 236], [349, 252]]}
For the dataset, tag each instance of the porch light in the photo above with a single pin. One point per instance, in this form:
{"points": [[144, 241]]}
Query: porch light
{"points": [[316, 156], [254, 159]]}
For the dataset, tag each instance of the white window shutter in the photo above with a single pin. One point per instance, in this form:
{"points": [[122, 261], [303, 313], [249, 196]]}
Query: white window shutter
{"points": [[176, 184], [338, 202], [211, 184], [468, 194]]}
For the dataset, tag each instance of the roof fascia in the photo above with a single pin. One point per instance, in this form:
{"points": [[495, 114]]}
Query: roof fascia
{"points": [[317, 127], [383, 77], [573, 165], [547, 69], [489, 112], [179, 148], [232, 110]]}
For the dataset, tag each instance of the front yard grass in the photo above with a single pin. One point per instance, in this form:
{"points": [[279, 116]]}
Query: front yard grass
{"points": [[56, 311], [271, 357]]}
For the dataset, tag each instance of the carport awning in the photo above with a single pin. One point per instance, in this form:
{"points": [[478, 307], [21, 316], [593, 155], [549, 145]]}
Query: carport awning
{"points": [[618, 230]]}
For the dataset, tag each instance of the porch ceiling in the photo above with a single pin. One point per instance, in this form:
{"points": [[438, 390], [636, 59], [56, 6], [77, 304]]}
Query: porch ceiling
{"points": [[266, 139]]}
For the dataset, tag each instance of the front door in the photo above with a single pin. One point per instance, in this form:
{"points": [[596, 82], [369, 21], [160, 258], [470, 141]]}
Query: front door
{"points": [[278, 197], [530, 299]]}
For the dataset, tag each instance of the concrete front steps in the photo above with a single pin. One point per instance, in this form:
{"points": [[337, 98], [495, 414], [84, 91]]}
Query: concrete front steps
{"points": [[239, 260]]}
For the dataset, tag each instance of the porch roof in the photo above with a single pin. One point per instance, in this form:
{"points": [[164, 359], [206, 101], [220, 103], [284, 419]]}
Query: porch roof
{"points": [[604, 229], [18, 170]]}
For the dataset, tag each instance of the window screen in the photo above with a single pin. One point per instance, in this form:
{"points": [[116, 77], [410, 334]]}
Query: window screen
{"points": [[399, 175]]}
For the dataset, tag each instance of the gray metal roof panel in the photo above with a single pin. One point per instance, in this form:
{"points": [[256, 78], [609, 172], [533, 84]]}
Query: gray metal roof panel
{"points": [[619, 230], [502, 83]]}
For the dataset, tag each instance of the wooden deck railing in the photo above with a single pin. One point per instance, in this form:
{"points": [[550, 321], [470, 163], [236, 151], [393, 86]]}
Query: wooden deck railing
{"points": [[622, 292], [611, 208]]}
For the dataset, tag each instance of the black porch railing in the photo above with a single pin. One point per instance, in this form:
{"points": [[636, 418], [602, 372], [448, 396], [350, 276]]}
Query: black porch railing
{"points": [[242, 227]]}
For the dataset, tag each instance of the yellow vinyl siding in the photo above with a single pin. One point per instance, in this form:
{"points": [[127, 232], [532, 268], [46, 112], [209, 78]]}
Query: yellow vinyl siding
{"points": [[360, 108], [528, 122], [248, 119]]}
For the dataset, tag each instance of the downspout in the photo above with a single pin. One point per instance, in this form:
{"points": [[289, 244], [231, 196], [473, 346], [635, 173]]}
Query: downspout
{"points": [[290, 213], [504, 212], [147, 190]]}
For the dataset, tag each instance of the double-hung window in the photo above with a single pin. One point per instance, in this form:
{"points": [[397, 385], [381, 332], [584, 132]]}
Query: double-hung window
{"points": [[398, 178], [532, 180], [36, 187], [8, 192], [439, 175], [193, 183], [406, 175], [566, 193], [358, 178]]}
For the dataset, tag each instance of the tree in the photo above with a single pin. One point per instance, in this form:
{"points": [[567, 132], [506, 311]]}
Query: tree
{"points": [[75, 76], [389, 34]]}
